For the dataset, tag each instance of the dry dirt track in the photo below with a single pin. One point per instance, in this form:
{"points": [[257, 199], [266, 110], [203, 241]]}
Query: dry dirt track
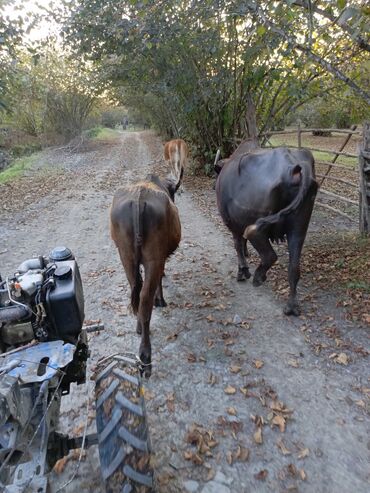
{"points": [[237, 382]]}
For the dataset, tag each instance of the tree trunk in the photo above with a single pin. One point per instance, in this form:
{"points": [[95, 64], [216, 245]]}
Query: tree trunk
{"points": [[251, 131]]}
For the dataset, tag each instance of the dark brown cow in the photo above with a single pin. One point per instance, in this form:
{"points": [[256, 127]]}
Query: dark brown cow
{"points": [[145, 227]]}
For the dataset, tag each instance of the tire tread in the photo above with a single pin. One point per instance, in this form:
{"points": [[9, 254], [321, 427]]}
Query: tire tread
{"points": [[124, 445]]}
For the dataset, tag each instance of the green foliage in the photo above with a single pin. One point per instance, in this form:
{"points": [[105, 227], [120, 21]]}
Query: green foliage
{"points": [[53, 93], [17, 168], [112, 117], [101, 133], [20, 150], [209, 71], [10, 38], [338, 110], [359, 285]]}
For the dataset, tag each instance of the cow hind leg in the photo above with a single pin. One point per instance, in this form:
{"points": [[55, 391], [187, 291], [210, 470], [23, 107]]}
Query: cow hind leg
{"points": [[159, 300], [240, 247], [153, 275], [295, 244], [268, 257], [132, 270]]}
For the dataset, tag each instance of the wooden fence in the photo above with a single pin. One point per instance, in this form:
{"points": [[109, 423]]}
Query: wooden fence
{"points": [[354, 179]]}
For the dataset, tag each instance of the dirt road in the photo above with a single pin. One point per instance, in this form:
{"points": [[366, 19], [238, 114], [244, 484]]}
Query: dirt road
{"points": [[242, 398]]}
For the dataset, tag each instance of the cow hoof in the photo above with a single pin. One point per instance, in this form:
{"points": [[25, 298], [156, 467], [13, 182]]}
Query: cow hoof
{"points": [[292, 309], [258, 280], [146, 362], [160, 302], [243, 274]]}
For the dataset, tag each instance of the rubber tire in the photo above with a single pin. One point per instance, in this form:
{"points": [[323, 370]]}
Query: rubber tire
{"points": [[124, 445]]}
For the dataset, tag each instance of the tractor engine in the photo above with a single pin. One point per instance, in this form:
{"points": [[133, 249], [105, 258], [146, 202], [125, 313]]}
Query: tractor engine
{"points": [[43, 300]]}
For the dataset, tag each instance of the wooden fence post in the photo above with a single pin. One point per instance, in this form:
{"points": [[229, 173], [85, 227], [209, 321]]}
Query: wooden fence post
{"points": [[341, 148], [299, 134], [364, 170]]}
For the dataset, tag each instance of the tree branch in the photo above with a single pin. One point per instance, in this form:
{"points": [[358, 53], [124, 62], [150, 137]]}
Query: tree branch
{"points": [[318, 59], [308, 5]]}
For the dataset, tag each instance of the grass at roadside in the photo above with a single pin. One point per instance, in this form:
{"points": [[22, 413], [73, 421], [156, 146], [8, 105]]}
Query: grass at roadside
{"points": [[102, 133], [18, 167], [291, 139]]}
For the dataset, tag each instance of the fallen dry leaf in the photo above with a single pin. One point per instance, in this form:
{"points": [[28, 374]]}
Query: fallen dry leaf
{"points": [[211, 474], [241, 454], [170, 401], [303, 453], [60, 465], [261, 475], [360, 403], [258, 363], [293, 362], [230, 390], [235, 368], [258, 436], [244, 391], [280, 422], [232, 411], [187, 454], [172, 337], [191, 358], [258, 420], [212, 379], [165, 478], [194, 457], [342, 359], [229, 457], [148, 395], [283, 448], [302, 474]]}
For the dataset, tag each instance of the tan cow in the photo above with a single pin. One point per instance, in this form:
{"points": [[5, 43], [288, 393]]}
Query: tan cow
{"points": [[145, 227], [176, 155]]}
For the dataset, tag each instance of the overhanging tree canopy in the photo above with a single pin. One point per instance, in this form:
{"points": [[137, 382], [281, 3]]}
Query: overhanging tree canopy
{"points": [[214, 70]]}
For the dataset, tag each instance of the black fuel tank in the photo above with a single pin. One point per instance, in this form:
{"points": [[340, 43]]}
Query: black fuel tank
{"points": [[65, 302]]}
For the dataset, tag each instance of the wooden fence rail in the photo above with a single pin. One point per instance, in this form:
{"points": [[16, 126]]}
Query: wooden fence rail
{"points": [[342, 166], [341, 180], [309, 130], [338, 197], [337, 211], [333, 167], [326, 151]]}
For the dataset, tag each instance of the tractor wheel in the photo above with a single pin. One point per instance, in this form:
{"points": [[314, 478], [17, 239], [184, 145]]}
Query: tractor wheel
{"points": [[124, 446]]}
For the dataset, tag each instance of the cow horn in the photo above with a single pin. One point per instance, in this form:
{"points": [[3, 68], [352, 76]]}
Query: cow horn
{"points": [[249, 231], [217, 157]]}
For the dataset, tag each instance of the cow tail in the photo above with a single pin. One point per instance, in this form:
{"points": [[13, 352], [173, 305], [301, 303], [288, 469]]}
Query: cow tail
{"points": [[263, 223], [177, 161], [138, 242]]}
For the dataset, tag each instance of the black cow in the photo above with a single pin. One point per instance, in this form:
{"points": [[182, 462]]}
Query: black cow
{"points": [[268, 195]]}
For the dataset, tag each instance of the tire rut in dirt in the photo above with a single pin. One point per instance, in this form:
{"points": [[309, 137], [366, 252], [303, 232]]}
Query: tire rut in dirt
{"points": [[124, 445]]}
